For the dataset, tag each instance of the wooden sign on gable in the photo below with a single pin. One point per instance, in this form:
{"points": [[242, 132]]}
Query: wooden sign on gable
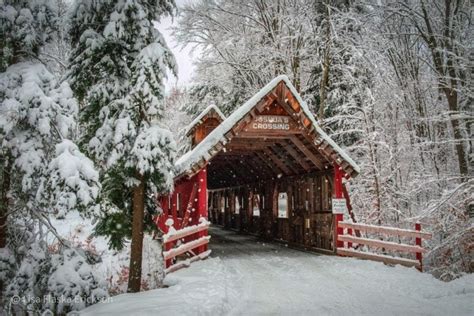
{"points": [[277, 123]]}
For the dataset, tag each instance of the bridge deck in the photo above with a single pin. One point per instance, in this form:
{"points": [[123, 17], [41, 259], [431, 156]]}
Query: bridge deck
{"points": [[228, 244]]}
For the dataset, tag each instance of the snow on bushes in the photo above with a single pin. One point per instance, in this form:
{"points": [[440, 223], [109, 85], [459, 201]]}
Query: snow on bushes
{"points": [[31, 278], [113, 266], [73, 284], [60, 282]]}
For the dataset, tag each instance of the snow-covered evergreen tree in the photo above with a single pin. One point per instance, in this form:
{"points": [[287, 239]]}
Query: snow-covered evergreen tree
{"points": [[42, 169], [38, 117], [118, 63]]}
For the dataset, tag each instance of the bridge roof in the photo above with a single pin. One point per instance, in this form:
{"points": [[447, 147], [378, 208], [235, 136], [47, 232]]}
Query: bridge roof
{"points": [[211, 111], [282, 93]]}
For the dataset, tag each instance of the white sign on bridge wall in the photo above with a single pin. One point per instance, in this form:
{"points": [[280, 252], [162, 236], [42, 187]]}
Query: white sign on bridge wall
{"points": [[277, 123], [339, 206]]}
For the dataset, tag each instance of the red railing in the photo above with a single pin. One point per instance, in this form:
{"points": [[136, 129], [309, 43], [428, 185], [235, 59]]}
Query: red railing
{"points": [[193, 247], [345, 242]]}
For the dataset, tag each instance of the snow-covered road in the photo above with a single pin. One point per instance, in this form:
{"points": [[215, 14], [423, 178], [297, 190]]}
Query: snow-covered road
{"points": [[248, 277]]}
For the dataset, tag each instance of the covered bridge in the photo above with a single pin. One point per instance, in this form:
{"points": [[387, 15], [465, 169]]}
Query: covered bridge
{"points": [[267, 169]]}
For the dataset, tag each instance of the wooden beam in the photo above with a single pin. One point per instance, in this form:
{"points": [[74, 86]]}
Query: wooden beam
{"points": [[267, 100], [386, 230], [269, 172], [296, 156], [277, 161], [187, 263], [185, 232], [251, 145], [263, 158], [292, 101], [321, 145], [377, 257], [299, 144], [246, 141], [249, 135], [189, 207], [381, 244], [185, 247], [248, 147], [289, 110], [258, 169], [283, 156]]}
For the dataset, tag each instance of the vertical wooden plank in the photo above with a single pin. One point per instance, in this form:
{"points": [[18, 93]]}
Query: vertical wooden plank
{"points": [[324, 194], [232, 207], [251, 197], [308, 225], [227, 214], [291, 211], [317, 194]]}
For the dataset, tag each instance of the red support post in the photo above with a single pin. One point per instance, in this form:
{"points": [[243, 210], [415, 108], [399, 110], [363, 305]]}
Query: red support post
{"points": [[202, 203], [419, 255], [338, 174], [174, 201]]}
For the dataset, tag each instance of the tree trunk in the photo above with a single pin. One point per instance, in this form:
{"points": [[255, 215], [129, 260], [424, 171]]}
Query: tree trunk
{"points": [[323, 87], [452, 97], [443, 52], [136, 248]]}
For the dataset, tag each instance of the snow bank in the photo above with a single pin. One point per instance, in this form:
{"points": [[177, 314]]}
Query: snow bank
{"points": [[203, 289]]}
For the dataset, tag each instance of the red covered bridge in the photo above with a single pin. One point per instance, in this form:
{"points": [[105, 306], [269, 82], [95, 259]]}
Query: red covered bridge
{"points": [[268, 169]]}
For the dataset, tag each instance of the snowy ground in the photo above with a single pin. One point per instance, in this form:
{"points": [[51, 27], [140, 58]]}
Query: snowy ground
{"points": [[247, 277]]}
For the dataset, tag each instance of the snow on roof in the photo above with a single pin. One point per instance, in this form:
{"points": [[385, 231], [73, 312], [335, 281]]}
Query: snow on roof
{"points": [[198, 119], [201, 151]]}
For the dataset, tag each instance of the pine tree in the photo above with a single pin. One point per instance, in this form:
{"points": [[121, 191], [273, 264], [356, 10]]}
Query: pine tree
{"points": [[38, 120], [42, 169], [118, 63]]}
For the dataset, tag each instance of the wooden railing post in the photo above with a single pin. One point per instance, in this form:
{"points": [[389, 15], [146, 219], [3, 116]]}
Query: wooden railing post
{"points": [[419, 255]]}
